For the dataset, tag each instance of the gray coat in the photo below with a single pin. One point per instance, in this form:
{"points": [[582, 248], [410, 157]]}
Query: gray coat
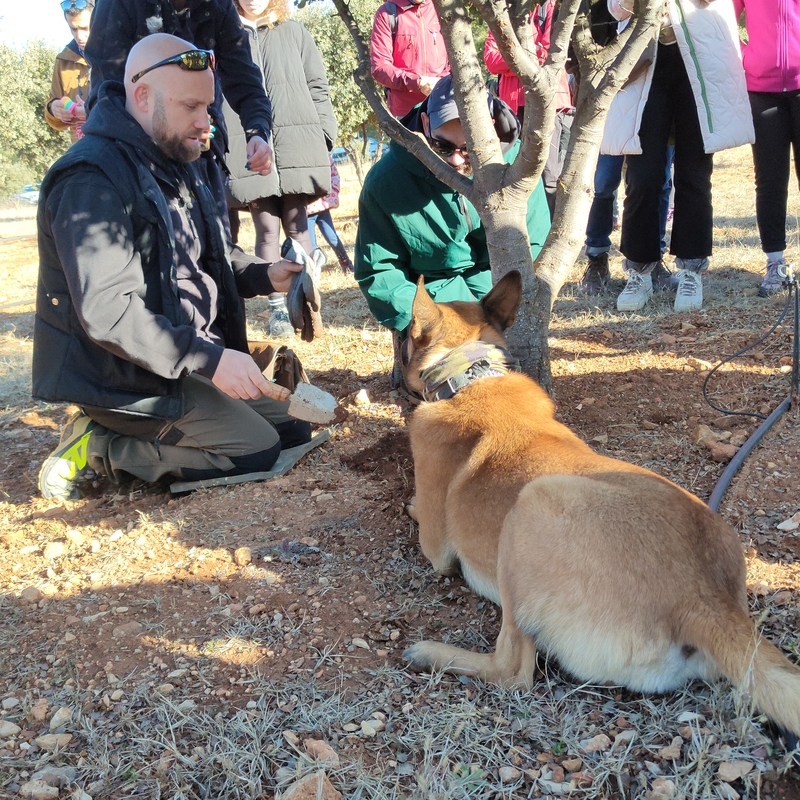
{"points": [[304, 126]]}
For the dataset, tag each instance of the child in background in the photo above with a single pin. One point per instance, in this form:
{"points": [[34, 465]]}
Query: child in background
{"points": [[64, 110], [319, 213]]}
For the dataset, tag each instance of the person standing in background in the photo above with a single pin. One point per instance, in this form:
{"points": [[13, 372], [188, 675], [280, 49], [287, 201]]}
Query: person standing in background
{"points": [[304, 131], [65, 108], [407, 52], [772, 69], [319, 214]]}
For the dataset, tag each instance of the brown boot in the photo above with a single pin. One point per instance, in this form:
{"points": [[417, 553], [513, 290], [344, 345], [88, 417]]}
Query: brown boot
{"points": [[595, 279]]}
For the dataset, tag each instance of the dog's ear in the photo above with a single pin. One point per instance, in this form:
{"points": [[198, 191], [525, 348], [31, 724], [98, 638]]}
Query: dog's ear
{"points": [[501, 304], [425, 317]]}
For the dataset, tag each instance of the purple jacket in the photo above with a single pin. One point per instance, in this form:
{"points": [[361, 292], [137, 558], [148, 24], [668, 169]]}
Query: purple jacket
{"points": [[772, 55]]}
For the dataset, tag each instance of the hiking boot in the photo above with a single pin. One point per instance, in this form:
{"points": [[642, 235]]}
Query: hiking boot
{"points": [[638, 290], [596, 276], [773, 280], [663, 279], [67, 464], [689, 296], [279, 325]]}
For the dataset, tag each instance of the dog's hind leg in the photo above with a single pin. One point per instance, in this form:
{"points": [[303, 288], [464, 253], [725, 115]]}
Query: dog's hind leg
{"points": [[511, 665]]}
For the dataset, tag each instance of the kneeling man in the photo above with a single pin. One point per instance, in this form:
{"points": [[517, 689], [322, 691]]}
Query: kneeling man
{"points": [[139, 317]]}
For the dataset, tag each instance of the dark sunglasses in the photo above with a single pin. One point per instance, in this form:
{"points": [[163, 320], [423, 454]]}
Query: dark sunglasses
{"points": [[192, 60], [78, 5], [446, 149]]}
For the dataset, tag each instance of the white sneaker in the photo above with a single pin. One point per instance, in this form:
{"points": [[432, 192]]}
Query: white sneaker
{"points": [[689, 296], [638, 290]]}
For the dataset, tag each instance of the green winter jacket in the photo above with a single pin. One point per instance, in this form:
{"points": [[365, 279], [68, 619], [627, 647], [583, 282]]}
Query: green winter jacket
{"points": [[411, 224]]}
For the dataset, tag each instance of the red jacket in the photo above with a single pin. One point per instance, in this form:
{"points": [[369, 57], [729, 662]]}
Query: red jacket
{"points": [[772, 54], [416, 48], [510, 89]]}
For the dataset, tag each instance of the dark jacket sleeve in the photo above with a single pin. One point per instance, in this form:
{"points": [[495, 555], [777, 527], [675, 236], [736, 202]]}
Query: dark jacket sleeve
{"points": [[317, 81], [113, 33], [252, 278], [241, 80], [94, 241]]}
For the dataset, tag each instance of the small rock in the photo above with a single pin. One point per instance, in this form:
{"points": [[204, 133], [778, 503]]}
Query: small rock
{"points": [[722, 453], [730, 771], [673, 751], [668, 338], [662, 789], [325, 497], [362, 398], [360, 643], [31, 594], [79, 794], [572, 764], [698, 363], [242, 556], [259, 608], [8, 729], [596, 744], [322, 752], [509, 774], [115, 536], [39, 710], [624, 737], [582, 779], [691, 716], [704, 436], [62, 717], [165, 688], [9, 703], [791, 524], [54, 550], [177, 673], [371, 727], [350, 727], [38, 790], [127, 629], [312, 787], [53, 741], [117, 695], [557, 774], [56, 776], [76, 537]]}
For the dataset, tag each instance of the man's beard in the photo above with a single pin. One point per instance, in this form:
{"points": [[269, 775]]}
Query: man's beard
{"points": [[174, 146]]}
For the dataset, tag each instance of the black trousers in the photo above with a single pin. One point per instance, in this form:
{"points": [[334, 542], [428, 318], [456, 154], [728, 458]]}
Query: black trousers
{"points": [[776, 119], [670, 111]]}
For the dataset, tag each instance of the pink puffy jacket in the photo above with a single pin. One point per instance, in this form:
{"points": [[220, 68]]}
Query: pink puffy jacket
{"points": [[510, 89], [398, 59], [772, 55]]}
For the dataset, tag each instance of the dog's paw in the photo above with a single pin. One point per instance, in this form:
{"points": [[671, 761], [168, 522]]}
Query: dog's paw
{"points": [[419, 656], [410, 509]]}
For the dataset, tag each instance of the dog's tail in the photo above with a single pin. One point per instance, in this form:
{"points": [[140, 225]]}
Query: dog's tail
{"points": [[757, 667]]}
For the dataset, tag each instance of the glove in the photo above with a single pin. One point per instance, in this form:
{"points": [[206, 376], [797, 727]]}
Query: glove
{"points": [[302, 300]]}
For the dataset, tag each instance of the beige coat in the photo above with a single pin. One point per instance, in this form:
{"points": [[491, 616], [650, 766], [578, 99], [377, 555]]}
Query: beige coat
{"points": [[70, 79]]}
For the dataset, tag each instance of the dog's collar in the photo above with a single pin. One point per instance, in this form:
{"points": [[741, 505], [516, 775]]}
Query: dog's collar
{"points": [[462, 366]]}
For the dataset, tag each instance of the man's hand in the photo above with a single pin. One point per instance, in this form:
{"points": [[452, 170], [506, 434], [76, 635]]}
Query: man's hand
{"points": [[426, 83], [280, 274], [80, 111], [259, 156], [237, 375]]}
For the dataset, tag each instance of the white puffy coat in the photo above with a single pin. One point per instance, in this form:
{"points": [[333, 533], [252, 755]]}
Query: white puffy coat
{"points": [[709, 42]]}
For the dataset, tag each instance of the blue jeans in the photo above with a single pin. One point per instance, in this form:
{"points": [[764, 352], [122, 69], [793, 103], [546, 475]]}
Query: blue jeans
{"points": [[607, 178], [325, 222]]}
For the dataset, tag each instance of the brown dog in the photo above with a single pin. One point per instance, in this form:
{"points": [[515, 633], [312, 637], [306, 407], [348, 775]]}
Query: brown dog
{"points": [[619, 573]]}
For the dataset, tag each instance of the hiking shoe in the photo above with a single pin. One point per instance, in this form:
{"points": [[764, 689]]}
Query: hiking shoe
{"points": [[689, 296], [663, 279], [596, 277], [773, 280], [279, 325], [638, 290], [68, 462]]}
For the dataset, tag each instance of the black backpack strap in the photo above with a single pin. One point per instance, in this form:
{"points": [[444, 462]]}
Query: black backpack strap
{"points": [[391, 10]]}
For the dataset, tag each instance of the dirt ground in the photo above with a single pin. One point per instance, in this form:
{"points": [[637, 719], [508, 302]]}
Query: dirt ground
{"points": [[176, 664]]}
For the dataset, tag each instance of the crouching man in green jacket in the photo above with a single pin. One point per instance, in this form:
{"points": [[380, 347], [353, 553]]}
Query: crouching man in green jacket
{"points": [[411, 224]]}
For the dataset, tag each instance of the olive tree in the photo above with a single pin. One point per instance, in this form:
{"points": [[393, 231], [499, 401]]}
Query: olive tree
{"points": [[500, 191]]}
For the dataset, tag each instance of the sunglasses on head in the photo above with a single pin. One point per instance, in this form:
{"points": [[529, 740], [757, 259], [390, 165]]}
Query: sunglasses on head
{"points": [[192, 60], [74, 5], [446, 149]]}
